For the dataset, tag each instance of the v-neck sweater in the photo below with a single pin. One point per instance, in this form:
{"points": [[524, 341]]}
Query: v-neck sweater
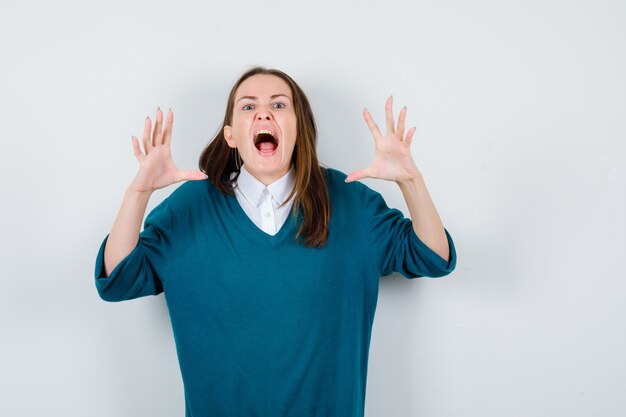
{"points": [[263, 325]]}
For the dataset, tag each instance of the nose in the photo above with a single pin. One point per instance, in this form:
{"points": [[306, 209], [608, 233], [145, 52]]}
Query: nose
{"points": [[263, 114]]}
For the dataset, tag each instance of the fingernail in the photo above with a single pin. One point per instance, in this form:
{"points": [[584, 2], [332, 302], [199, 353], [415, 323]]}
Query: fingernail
{"points": [[404, 107], [158, 108]]}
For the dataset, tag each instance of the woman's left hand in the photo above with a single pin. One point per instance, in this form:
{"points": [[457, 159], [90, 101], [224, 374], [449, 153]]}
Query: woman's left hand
{"points": [[392, 159]]}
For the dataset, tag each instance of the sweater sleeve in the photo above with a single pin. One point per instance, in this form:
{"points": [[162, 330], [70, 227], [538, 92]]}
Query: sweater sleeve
{"points": [[395, 244], [138, 274]]}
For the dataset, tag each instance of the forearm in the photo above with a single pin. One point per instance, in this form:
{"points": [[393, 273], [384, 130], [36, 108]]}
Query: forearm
{"points": [[124, 234], [426, 221]]}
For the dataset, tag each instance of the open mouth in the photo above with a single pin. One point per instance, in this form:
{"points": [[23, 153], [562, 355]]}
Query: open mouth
{"points": [[265, 141]]}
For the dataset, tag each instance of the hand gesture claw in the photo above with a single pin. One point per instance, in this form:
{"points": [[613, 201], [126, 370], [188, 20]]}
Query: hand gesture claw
{"points": [[392, 159], [156, 167]]}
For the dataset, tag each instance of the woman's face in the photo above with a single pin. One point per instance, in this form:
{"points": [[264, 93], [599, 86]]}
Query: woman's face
{"points": [[264, 126]]}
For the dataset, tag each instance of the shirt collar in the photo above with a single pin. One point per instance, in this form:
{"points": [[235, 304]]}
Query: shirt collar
{"points": [[252, 189]]}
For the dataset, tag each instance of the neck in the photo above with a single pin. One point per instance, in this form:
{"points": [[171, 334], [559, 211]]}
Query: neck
{"points": [[266, 179]]}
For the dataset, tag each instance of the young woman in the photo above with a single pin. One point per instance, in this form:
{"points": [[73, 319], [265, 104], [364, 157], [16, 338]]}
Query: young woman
{"points": [[269, 263]]}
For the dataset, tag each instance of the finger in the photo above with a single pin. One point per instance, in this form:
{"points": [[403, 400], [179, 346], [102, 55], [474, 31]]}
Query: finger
{"points": [[167, 132], [157, 135], [371, 124], [147, 143], [401, 118], [357, 175], [409, 136], [136, 150], [190, 175], [389, 114]]}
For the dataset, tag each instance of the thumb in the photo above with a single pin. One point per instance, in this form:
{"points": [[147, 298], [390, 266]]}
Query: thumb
{"points": [[192, 175], [357, 175]]}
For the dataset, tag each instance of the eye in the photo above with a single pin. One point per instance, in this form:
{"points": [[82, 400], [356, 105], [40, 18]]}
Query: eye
{"points": [[282, 105], [245, 107]]}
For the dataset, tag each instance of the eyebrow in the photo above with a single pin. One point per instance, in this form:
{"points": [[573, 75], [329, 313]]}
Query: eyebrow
{"points": [[272, 97]]}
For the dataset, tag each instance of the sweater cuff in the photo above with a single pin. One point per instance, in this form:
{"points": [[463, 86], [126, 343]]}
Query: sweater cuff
{"points": [[108, 287], [438, 266]]}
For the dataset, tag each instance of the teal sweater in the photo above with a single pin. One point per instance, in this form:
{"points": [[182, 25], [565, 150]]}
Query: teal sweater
{"points": [[263, 325]]}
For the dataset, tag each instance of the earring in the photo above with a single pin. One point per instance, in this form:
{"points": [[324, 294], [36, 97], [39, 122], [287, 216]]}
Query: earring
{"points": [[237, 160]]}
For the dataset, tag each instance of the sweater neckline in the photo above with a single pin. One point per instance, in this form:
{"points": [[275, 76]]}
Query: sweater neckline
{"points": [[252, 230]]}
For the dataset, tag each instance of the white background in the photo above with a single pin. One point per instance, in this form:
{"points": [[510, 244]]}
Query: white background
{"points": [[520, 110]]}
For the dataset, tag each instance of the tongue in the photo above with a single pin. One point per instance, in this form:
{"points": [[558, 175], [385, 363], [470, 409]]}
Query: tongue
{"points": [[266, 147]]}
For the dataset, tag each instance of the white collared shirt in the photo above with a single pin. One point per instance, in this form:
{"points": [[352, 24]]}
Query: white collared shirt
{"points": [[262, 203]]}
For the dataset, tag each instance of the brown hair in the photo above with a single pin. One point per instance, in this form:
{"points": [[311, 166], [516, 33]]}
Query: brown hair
{"points": [[219, 161]]}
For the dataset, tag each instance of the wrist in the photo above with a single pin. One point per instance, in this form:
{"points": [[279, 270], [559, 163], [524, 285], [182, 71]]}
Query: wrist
{"points": [[412, 181], [133, 193]]}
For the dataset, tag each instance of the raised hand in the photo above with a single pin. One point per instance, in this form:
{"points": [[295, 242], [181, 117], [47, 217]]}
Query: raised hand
{"points": [[392, 159], [156, 166]]}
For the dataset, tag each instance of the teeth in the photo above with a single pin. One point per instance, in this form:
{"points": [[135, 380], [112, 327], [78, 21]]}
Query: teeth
{"points": [[264, 131]]}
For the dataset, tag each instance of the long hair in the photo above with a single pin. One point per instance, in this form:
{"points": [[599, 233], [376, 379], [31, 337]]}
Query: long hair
{"points": [[218, 161]]}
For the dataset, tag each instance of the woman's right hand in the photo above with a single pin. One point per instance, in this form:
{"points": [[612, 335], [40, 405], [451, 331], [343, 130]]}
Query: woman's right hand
{"points": [[156, 166]]}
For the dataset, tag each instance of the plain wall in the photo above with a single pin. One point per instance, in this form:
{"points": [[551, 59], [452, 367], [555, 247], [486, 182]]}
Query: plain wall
{"points": [[519, 108]]}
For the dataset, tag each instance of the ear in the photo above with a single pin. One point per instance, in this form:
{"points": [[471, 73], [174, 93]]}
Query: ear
{"points": [[229, 137]]}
